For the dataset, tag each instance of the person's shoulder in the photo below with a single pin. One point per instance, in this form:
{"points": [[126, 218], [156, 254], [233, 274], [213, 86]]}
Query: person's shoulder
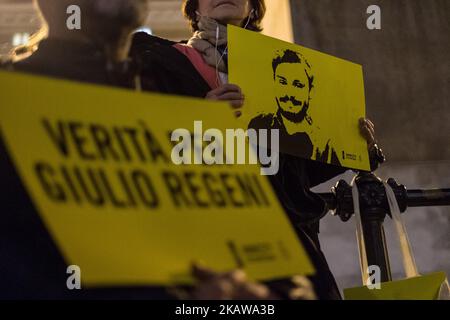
{"points": [[146, 47], [10, 64], [40, 60], [143, 39], [24, 64], [262, 121], [27, 65]]}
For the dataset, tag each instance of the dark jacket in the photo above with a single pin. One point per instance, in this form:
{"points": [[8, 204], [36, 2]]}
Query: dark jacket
{"points": [[166, 70], [299, 141]]}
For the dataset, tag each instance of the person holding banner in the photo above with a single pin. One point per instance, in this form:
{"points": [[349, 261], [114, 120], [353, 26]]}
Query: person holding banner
{"points": [[198, 68], [32, 265], [98, 51]]}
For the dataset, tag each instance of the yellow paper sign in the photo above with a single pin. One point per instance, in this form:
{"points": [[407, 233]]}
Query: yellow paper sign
{"points": [[313, 99], [97, 164], [424, 287]]}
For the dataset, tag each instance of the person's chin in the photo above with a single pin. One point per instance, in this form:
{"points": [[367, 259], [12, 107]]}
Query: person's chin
{"points": [[293, 115], [226, 17], [292, 109], [226, 6]]}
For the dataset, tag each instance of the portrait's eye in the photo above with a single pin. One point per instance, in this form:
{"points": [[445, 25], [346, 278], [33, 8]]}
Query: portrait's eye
{"points": [[282, 80], [298, 84]]}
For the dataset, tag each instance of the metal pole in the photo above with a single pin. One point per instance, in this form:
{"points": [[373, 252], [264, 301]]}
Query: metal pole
{"points": [[374, 208]]}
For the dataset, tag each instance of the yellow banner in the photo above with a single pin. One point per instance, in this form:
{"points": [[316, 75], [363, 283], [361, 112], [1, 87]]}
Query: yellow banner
{"points": [[97, 163], [425, 287], [313, 99]]}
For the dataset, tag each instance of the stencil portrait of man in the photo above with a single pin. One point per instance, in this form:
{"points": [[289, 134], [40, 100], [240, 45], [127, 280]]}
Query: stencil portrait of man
{"points": [[293, 80]]}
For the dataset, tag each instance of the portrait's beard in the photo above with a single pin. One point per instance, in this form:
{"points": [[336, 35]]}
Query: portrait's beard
{"points": [[295, 117]]}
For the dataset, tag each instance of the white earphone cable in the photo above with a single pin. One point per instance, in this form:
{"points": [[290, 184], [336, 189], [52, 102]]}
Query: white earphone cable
{"points": [[226, 48]]}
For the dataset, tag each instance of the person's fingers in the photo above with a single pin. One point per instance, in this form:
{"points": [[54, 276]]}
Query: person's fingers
{"points": [[370, 139], [366, 127], [372, 135], [371, 123], [251, 291], [371, 132], [245, 289], [371, 129], [226, 88], [368, 132], [236, 104], [368, 123], [363, 127], [202, 273], [304, 289], [236, 276], [218, 289], [230, 96], [301, 281], [367, 135], [229, 285], [361, 121], [211, 96], [239, 103], [215, 93], [230, 87], [302, 294]]}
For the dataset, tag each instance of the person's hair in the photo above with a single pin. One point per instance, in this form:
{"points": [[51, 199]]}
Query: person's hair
{"points": [[254, 21], [290, 56], [54, 12]]}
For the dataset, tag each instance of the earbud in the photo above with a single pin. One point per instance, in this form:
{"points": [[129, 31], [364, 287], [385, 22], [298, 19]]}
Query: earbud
{"points": [[198, 16], [251, 15]]}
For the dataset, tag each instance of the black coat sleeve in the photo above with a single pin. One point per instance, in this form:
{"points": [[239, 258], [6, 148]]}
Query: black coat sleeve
{"points": [[319, 172]]}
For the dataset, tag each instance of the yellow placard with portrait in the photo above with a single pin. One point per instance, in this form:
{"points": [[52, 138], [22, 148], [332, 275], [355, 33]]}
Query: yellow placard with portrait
{"points": [[97, 163], [314, 99]]}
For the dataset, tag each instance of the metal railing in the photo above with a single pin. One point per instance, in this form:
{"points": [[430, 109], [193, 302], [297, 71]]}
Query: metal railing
{"points": [[374, 208]]}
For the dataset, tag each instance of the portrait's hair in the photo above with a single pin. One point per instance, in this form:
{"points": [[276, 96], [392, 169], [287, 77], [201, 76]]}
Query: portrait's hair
{"points": [[254, 23], [290, 56]]}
